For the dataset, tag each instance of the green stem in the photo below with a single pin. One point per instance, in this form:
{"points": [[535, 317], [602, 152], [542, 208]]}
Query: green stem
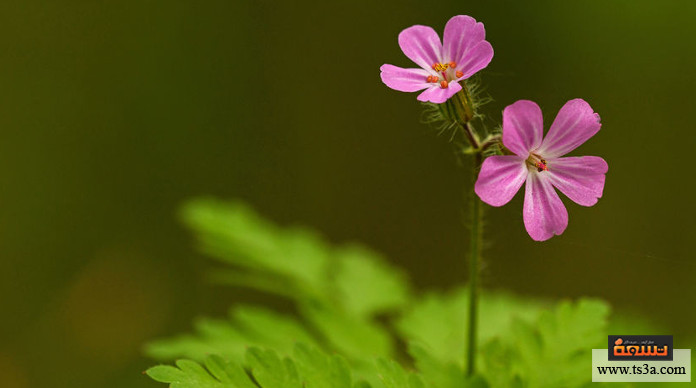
{"points": [[474, 261], [471, 136], [460, 109], [465, 112]]}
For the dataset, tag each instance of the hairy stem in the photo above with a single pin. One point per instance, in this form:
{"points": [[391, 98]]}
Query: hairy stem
{"points": [[474, 261], [465, 114], [492, 141], [471, 136], [460, 110]]}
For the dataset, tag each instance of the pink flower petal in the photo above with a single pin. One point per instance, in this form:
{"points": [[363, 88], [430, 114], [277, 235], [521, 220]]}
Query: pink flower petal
{"points": [[523, 127], [438, 95], [464, 43], [575, 123], [475, 59], [422, 45], [500, 178], [404, 80], [580, 178], [462, 33], [544, 214]]}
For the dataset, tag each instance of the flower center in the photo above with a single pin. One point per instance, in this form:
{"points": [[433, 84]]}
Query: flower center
{"points": [[537, 162], [446, 73]]}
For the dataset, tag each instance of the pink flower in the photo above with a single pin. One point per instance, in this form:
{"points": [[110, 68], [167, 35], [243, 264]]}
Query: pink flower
{"points": [[465, 51], [537, 160]]}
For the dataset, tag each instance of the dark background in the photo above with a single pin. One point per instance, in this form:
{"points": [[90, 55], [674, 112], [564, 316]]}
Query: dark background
{"points": [[112, 113]]}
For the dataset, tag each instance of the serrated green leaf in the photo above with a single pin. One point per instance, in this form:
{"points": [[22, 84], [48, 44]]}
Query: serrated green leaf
{"points": [[351, 336], [552, 352], [393, 375], [263, 327], [233, 233], [270, 371], [497, 363], [437, 373], [441, 322], [339, 292], [165, 374], [228, 372], [192, 368], [248, 326], [321, 371], [190, 374], [367, 285], [310, 368], [499, 310]]}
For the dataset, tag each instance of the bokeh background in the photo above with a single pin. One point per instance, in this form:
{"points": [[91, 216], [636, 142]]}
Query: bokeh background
{"points": [[112, 113]]}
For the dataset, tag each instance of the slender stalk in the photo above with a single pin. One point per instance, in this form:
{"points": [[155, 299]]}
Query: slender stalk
{"points": [[465, 114], [492, 141], [471, 136], [461, 109], [474, 261]]}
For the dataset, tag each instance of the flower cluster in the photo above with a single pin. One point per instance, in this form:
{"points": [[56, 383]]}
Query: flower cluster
{"points": [[527, 156]]}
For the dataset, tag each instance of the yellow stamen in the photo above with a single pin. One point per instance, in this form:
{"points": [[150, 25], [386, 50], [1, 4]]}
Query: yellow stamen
{"points": [[440, 66]]}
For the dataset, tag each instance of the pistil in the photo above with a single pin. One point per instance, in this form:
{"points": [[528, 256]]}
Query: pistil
{"points": [[537, 162]]}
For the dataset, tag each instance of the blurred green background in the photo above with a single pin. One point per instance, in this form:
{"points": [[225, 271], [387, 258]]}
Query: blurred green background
{"points": [[112, 113]]}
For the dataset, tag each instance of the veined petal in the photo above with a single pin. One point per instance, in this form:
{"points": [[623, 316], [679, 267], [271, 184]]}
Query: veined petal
{"points": [[438, 95], [422, 45], [544, 214], [580, 178], [462, 33], [523, 127], [477, 58], [404, 80], [575, 123], [500, 178]]}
